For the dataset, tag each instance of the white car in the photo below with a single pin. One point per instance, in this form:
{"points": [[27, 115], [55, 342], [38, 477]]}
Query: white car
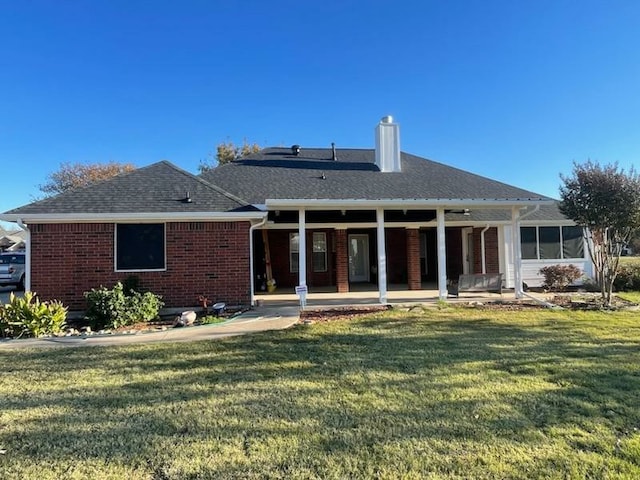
{"points": [[12, 269]]}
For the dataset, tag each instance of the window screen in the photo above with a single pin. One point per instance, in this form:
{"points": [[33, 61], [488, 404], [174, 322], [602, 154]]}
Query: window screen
{"points": [[140, 246], [572, 242], [549, 238], [529, 243]]}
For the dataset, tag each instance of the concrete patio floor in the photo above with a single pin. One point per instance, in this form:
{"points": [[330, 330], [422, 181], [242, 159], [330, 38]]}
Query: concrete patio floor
{"points": [[368, 295]]}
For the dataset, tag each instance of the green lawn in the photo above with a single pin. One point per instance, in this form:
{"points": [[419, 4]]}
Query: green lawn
{"points": [[634, 260], [433, 394]]}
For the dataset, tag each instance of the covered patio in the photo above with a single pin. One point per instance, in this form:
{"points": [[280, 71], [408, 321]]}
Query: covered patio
{"points": [[341, 224], [367, 294]]}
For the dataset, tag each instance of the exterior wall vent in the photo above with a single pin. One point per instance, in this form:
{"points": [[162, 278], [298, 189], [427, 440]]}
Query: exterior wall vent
{"points": [[388, 145]]}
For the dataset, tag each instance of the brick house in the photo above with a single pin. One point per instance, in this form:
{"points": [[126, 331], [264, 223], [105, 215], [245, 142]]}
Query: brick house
{"points": [[328, 218]]}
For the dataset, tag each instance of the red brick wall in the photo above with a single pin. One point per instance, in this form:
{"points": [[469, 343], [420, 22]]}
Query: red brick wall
{"points": [[413, 259], [492, 261], [210, 258], [342, 261], [279, 249], [396, 250]]}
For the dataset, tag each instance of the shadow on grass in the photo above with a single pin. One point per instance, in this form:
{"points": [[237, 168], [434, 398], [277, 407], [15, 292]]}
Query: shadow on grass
{"points": [[347, 391]]}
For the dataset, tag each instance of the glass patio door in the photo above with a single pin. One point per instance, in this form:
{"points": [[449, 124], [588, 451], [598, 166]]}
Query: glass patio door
{"points": [[358, 258]]}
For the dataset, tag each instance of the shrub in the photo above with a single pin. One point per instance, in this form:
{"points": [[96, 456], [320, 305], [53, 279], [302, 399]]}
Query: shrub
{"points": [[559, 277], [113, 308], [628, 278], [28, 315]]}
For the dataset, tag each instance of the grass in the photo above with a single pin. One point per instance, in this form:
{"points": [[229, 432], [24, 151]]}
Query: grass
{"points": [[443, 393], [630, 261], [633, 297]]}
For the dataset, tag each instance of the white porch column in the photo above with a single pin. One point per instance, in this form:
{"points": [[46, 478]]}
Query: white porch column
{"points": [[517, 252], [382, 257], [442, 255], [302, 248]]}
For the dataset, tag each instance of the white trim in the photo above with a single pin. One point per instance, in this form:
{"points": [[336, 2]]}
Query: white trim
{"points": [[502, 249], [483, 247], [360, 204], [302, 248], [430, 224], [140, 217], [442, 255], [517, 253]]}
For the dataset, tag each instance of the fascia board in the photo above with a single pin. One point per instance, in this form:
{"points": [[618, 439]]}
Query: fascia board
{"points": [[132, 217], [355, 204]]}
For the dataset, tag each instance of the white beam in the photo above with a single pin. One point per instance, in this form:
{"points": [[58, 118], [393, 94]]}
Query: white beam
{"points": [[302, 248], [442, 255], [382, 257], [517, 252]]}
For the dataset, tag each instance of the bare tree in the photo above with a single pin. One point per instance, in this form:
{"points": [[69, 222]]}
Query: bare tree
{"points": [[74, 175], [228, 152], [605, 200]]}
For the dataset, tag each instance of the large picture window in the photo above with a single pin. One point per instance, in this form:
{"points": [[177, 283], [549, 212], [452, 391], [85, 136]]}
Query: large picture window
{"points": [[140, 246], [549, 243]]}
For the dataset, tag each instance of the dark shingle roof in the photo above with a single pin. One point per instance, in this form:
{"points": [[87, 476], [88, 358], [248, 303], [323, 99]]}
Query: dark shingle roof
{"points": [[160, 187], [544, 213], [276, 173]]}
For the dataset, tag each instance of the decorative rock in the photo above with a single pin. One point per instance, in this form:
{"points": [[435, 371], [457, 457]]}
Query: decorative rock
{"points": [[188, 317]]}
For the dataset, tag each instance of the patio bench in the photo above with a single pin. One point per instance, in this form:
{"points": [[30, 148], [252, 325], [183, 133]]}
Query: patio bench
{"points": [[477, 282]]}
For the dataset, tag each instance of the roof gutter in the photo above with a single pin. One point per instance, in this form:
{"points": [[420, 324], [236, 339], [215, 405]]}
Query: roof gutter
{"points": [[132, 217], [321, 204]]}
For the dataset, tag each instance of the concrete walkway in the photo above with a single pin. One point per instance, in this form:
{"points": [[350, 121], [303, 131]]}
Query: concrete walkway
{"points": [[256, 320]]}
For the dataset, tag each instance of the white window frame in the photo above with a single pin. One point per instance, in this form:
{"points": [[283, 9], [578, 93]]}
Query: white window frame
{"points": [[562, 257], [294, 267], [326, 259]]}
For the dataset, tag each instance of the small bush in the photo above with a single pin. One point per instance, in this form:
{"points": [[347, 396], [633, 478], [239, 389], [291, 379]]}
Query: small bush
{"points": [[559, 277], [28, 315], [628, 278], [112, 308]]}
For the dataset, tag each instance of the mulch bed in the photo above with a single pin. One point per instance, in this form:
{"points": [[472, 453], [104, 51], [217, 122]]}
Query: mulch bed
{"points": [[340, 313], [569, 302]]}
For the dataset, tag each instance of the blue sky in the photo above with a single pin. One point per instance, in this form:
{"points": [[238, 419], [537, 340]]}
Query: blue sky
{"points": [[514, 90]]}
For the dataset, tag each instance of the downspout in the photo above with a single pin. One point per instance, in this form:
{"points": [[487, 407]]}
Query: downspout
{"points": [[27, 256], [517, 263], [252, 283], [526, 214], [482, 253]]}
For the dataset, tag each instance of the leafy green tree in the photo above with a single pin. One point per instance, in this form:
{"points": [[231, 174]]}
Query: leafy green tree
{"points": [[75, 175], [227, 152], [605, 200]]}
